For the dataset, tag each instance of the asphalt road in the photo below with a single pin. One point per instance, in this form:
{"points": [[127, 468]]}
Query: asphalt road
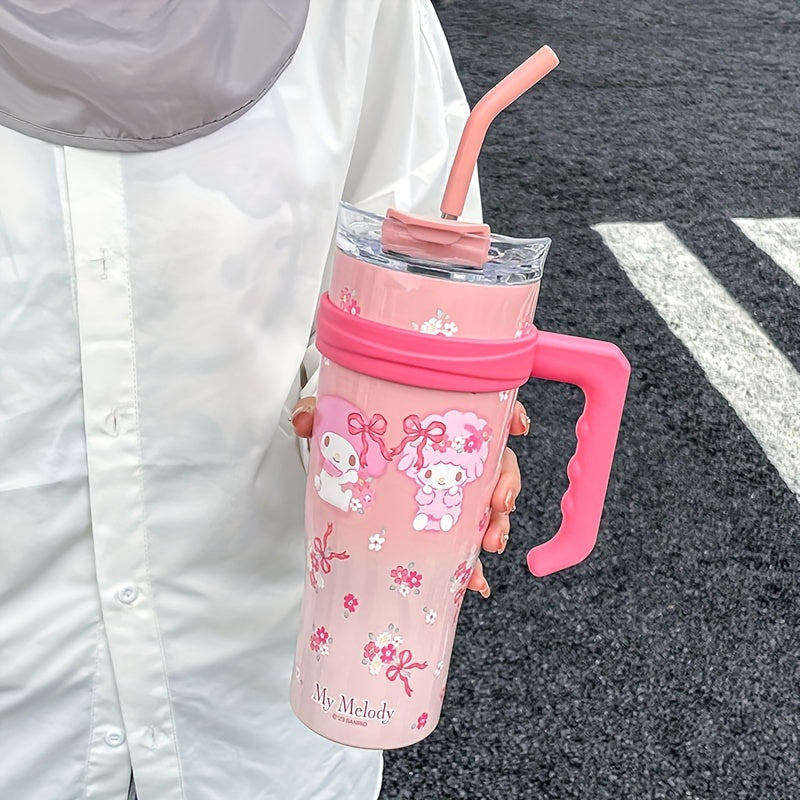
{"points": [[667, 665]]}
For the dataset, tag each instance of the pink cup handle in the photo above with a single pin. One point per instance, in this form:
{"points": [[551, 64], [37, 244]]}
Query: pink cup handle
{"points": [[601, 371]]}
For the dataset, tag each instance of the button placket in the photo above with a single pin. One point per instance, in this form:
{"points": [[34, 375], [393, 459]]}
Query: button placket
{"points": [[108, 365]]}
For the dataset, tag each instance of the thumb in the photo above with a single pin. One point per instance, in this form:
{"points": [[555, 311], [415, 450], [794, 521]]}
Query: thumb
{"points": [[302, 417]]}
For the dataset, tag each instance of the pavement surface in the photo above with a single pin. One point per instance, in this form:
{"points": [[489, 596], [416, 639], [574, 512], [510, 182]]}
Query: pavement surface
{"points": [[662, 159]]}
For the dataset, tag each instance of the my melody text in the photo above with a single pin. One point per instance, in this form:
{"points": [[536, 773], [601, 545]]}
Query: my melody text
{"points": [[353, 709]]}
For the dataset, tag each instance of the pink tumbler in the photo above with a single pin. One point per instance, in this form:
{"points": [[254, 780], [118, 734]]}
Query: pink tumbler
{"points": [[426, 335]]}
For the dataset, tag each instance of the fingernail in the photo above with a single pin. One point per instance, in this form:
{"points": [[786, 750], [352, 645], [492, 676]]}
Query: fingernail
{"points": [[304, 409], [526, 421], [510, 502], [485, 591], [503, 543]]}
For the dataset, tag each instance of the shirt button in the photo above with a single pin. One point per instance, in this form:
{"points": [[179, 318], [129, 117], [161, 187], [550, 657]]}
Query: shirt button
{"points": [[118, 421], [114, 738], [127, 594]]}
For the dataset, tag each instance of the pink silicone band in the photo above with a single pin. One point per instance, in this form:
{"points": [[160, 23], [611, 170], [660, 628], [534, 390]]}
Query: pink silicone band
{"points": [[421, 359]]}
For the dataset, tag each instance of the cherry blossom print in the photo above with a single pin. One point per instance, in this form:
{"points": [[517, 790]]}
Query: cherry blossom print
{"points": [[422, 720], [438, 325], [388, 653], [320, 642], [405, 579], [399, 574], [476, 437], [383, 654], [370, 651], [356, 505], [391, 634], [430, 615], [460, 578], [363, 495], [483, 524], [347, 302], [319, 559], [350, 603], [376, 541]]}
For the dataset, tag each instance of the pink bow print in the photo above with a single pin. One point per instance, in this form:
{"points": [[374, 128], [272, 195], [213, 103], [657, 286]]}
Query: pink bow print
{"points": [[433, 434], [321, 560], [397, 670], [374, 429]]}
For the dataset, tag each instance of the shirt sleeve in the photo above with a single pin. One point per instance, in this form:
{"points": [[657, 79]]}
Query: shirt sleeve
{"points": [[413, 111]]}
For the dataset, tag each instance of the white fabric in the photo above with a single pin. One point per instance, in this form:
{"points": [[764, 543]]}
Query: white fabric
{"points": [[154, 311]]}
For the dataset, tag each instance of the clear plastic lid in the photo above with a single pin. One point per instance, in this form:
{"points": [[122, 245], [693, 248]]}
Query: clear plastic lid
{"points": [[510, 261]]}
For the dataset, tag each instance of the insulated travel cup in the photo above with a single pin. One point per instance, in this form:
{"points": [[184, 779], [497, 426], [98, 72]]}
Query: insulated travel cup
{"points": [[426, 334]]}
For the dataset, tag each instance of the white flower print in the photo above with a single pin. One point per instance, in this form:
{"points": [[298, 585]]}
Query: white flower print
{"points": [[375, 666], [430, 615], [504, 395], [449, 329], [376, 540], [403, 591], [438, 670], [383, 638], [356, 505], [440, 325]]}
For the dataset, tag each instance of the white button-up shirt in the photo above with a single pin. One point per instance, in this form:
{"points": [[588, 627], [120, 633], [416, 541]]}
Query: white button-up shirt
{"points": [[154, 310]]}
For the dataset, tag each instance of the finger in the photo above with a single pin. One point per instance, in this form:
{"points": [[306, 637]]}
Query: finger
{"points": [[509, 484], [520, 421], [477, 582], [496, 537], [302, 417]]}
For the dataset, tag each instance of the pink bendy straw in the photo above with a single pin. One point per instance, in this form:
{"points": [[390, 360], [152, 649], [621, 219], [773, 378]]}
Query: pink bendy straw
{"points": [[515, 84]]}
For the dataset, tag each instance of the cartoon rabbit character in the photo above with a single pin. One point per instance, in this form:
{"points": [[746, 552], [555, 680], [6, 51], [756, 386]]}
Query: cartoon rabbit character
{"points": [[352, 451], [442, 453]]}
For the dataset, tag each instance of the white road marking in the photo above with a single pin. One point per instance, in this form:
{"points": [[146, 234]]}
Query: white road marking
{"points": [[779, 238], [738, 358]]}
